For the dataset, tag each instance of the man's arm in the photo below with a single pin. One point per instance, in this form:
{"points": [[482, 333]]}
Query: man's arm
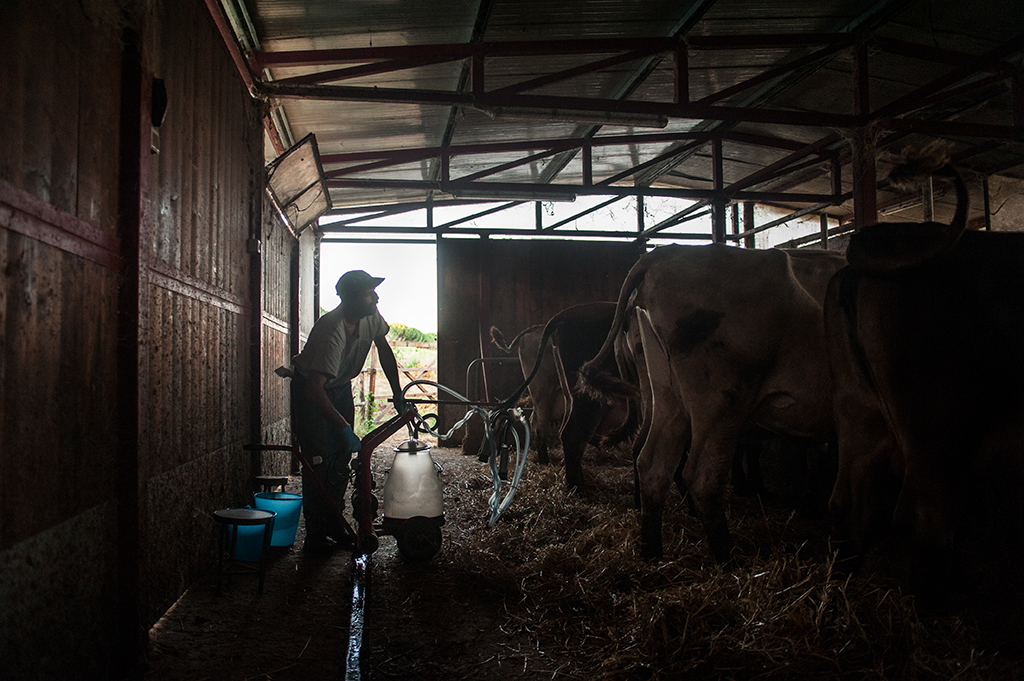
{"points": [[390, 366]]}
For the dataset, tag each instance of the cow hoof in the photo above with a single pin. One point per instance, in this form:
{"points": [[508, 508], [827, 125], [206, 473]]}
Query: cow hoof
{"points": [[721, 548], [648, 552]]}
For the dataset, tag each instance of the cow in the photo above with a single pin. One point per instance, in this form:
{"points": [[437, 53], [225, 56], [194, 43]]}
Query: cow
{"points": [[925, 330], [723, 339], [570, 337], [546, 398]]}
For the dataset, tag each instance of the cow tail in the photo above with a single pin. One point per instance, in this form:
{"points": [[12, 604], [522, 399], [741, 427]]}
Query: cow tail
{"points": [[888, 247], [597, 377], [498, 338], [933, 159], [549, 330]]}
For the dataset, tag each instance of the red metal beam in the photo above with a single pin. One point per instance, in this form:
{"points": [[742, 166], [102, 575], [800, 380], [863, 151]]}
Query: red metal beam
{"points": [[770, 171], [990, 61], [487, 101], [511, 48], [506, 166], [953, 128], [228, 36], [530, 232], [274, 135], [579, 190], [757, 41], [660, 158], [577, 216], [551, 78], [350, 72], [413, 155], [399, 156], [649, 44], [930, 53], [776, 72]]}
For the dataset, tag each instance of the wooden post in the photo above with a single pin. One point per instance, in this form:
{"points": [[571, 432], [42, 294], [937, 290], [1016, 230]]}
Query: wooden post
{"points": [[371, 394], [927, 200], [988, 204], [748, 223], [865, 206], [824, 230], [362, 392], [128, 638], [720, 202]]}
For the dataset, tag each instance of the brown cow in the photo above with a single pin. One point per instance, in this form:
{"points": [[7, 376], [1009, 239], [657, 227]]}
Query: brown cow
{"points": [[723, 339], [546, 397], [570, 337], [925, 334]]}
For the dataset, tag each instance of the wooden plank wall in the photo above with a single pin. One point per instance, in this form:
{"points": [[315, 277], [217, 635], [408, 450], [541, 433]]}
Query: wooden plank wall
{"points": [[512, 284], [279, 340], [206, 201], [60, 89], [61, 249]]}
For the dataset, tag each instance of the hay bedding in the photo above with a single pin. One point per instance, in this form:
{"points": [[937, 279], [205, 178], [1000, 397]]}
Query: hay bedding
{"points": [[572, 580], [556, 590]]}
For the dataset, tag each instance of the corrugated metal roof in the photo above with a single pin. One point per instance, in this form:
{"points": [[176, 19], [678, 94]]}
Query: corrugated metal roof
{"points": [[413, 99]]}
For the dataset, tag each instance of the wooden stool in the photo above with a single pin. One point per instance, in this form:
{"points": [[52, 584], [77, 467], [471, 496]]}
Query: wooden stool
{"points": [[267, 483], [230, 519]]}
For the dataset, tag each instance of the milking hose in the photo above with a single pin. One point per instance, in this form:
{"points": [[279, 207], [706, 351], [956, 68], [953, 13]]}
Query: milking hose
{"points": [[497, 504]]}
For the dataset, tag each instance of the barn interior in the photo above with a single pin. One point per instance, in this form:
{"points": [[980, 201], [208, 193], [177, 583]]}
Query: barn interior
{"points": [[170, 170]]}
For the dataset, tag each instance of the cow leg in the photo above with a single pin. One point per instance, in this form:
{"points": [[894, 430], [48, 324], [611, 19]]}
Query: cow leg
{"points": [[646, 406], [668, 434], [865, 490], [577, 432], [820, 463], [706, 474], [922, 521], [655, 469], [541, 440], [638, 445], [747, 481]]}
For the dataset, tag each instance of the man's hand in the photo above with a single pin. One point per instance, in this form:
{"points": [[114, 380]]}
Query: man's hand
{"points": [[350, 439]]}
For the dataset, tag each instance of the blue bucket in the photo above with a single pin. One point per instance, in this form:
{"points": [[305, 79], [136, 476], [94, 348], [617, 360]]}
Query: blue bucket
{"points": [[287, 507], [249, 545]]}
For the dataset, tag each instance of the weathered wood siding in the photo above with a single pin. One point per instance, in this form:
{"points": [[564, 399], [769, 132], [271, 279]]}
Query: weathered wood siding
{"points": [[278, 339], [206, 205], [58, 365], [63, 253], [513, 285]]}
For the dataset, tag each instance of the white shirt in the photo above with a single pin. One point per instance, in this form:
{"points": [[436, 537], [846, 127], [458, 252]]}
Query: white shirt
{"points": [[332, 351]]}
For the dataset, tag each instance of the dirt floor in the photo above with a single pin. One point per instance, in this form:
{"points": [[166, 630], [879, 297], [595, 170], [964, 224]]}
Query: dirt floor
{"points": [[423, 620], [556, 590]]}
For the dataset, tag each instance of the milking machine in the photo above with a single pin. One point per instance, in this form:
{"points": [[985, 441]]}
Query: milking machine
{"points": [[414, 493], [413, 509]]}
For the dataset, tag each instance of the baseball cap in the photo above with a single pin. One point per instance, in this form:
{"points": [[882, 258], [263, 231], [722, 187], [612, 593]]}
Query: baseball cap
{"points": [[356, 281]]}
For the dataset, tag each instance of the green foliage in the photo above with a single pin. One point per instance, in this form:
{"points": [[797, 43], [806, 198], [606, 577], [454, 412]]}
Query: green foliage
{"points": [[414, 357], [362, 426], [410, 334]]}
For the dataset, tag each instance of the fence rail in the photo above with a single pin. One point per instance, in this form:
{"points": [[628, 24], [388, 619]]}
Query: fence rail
{"points": [[372, 395]]}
